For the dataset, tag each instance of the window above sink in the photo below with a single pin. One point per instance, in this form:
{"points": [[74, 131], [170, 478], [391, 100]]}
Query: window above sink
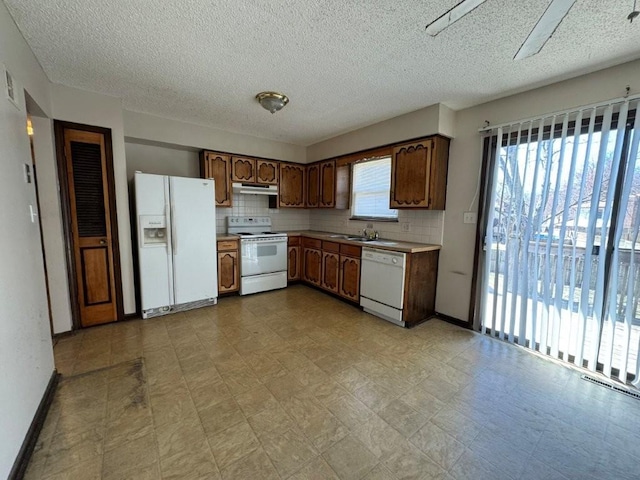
{"points": [[371, 185]]}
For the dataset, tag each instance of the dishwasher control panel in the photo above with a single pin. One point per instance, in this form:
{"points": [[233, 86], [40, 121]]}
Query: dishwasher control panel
{"points": [[384, 256]]}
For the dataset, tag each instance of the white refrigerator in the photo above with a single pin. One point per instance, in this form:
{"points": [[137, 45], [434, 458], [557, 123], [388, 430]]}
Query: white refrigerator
{"points": [[176, 224]]}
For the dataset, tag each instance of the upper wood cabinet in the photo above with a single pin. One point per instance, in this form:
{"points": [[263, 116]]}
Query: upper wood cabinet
{"points": [[327, 189], [218, 166], [243, 170], [254, 170], [343, 187], [267, 172], [419, 174], [291, 189], [313, 182], [321, 185]]}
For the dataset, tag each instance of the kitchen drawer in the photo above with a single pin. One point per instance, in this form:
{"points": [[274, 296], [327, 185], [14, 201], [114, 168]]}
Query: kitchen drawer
{"points": [[331, 247], [225, 245], [311, 243], [293, 241], [351, 250]]}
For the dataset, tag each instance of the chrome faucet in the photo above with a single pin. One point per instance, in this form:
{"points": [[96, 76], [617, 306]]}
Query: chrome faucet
{"points": [[370, 234]]}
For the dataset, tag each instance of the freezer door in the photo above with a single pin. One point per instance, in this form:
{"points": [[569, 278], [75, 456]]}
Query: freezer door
{"points": [[156, 275], [193, 233]]}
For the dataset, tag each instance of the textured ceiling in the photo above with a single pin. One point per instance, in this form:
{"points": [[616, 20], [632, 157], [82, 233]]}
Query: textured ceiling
{"points": [[343, 64]]}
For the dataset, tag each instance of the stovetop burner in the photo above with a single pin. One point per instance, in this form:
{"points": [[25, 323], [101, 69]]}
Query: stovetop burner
{"points": [[251, 227]]}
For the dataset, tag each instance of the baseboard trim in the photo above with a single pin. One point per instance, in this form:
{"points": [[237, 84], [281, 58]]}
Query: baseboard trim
{"points": [[30, 440], [453, 320]]}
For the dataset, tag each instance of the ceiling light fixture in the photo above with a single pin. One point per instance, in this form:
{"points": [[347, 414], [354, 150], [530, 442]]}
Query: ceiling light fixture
{"points": [[272, 101], [545, 28], [452, 16]]}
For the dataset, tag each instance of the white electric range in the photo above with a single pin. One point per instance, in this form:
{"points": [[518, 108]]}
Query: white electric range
{"points": [[263, 262]]}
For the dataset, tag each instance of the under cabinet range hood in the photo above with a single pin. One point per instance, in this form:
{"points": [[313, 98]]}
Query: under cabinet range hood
{"points": [[251, 189]]}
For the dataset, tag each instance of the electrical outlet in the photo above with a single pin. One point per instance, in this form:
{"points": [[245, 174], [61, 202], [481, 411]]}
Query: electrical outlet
{"points": [[469, 217], [406, 227]]}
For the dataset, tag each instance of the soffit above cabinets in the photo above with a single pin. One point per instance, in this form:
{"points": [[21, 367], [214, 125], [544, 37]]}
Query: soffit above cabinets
{"points": [[344, 65]]}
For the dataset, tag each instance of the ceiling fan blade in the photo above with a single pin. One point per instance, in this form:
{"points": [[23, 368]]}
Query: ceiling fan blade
{"points": [[453, 15], [544, 29]]}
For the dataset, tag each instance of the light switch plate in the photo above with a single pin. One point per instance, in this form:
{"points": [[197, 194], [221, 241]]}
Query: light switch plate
{"points": [[469, 217], [27, 173]]}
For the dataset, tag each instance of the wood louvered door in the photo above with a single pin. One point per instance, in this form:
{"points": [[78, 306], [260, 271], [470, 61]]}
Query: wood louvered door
{"points": [[90, 209]]}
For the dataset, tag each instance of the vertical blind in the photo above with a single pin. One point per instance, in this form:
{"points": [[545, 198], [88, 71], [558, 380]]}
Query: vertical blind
{"points": [[371, 186], [559, 269]]}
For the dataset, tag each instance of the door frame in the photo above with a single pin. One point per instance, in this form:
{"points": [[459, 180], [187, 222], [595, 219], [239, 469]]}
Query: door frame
{"points": [[489, 145], [489, 148], [65, 201]]}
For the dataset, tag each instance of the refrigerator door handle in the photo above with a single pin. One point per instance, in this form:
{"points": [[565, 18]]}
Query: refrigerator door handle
{"points": [[169, 223], [174, 236]]}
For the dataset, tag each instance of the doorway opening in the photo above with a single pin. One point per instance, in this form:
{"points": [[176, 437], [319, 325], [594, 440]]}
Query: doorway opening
{"points": [[87, 190], [559, 267]]}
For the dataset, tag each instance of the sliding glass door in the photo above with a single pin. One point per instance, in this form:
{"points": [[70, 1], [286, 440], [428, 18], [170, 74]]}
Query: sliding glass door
{"points": [[558, 270]]}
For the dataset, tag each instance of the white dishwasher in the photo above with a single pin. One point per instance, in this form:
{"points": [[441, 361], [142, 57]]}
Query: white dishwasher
{"points": [[382, 283]]}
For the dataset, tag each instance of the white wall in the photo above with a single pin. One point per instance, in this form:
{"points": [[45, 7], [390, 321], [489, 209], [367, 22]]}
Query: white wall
{"points": [[165, 160], [456, 257], [424, 226], [161, 160], [149, 127], [421, 123], [26, 355], [78, 106]]}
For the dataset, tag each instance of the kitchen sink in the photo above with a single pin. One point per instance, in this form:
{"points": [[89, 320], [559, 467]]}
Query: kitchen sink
{"points": [[354, 238], [359, 238]]}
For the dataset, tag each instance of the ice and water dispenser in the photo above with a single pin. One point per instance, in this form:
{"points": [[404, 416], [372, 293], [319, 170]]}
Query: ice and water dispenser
{"points": [[154, 230]]}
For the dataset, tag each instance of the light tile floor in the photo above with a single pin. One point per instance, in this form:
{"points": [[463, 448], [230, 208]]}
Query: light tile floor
{"points": [[295, 384]]}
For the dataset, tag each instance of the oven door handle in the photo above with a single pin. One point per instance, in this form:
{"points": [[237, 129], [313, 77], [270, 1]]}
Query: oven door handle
{"points": [[264, 242]]}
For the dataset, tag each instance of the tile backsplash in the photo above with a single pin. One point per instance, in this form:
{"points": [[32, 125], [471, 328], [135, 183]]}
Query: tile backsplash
{"points": [[258, 205], [424, 226]]}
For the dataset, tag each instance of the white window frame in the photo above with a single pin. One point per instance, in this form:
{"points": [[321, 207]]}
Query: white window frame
{"points": [[379, 218]]}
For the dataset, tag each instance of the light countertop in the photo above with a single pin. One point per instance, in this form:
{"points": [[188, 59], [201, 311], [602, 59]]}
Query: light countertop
{"points": [[383, 244], [221, 237]]}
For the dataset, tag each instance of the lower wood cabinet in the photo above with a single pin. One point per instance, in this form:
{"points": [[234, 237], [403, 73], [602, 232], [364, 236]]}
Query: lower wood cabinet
{"points": [[420, 286], [349, 286], [330, 271], [293, 259], [312, 266], [332, 266], [228, 266], [311, 260]]}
